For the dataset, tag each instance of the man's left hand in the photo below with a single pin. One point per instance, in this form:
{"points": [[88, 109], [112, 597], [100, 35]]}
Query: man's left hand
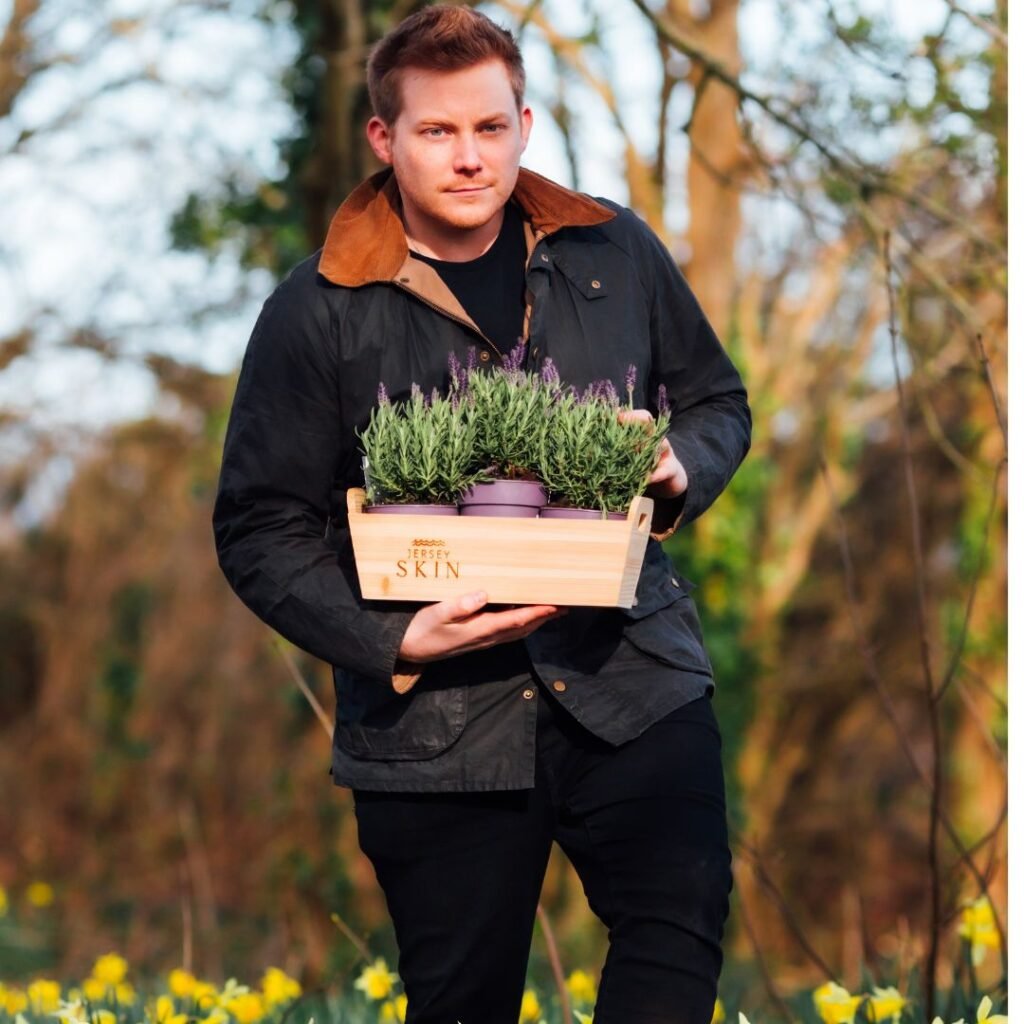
{"points": [[668, 478]]}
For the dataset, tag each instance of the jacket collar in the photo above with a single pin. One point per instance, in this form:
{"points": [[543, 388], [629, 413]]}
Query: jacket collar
{"points": [[366, 239]]}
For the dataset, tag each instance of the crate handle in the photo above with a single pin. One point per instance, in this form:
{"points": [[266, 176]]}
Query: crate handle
{"points": [[355, 499]]}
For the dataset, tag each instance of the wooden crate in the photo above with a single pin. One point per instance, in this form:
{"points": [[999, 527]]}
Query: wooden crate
{"points": [[591, 562]]}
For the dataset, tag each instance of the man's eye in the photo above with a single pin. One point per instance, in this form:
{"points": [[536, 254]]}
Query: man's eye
{"points": [[493, 129], [434, 133]]}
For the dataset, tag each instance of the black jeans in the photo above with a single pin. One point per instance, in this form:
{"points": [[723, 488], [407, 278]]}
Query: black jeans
{"points": [[644, 826]]}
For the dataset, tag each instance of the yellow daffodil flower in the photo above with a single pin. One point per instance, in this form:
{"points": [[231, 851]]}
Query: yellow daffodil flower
{"points": [[44, 996], [718, 1015], [884, 1003], [164, 1012], [104, 1017], [181, 983], [582, 986], [39, 894], [938, 1020], [278, 988], [530, 1007], [834, 1004], [583, 1018], [393, 1011], [13, 1000], [205, 995], [110, 968], [4, 902], [376, 981], [124, 993], [247, 1008], [95, 990], [978, 927], [216, 1016], [984, 1011]]}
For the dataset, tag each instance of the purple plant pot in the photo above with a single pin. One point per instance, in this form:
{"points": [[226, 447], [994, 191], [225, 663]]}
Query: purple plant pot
{"points": [[559, 512], [520, 499], [412, 510]]}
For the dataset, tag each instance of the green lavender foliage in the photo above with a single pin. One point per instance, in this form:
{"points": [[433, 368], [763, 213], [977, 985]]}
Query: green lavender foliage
{"points": [[420, 451], [591, 460], [512, 407]]}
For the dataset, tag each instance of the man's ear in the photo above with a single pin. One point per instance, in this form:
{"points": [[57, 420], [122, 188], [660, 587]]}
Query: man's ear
{"points": [[525, 124], [379, 136]]}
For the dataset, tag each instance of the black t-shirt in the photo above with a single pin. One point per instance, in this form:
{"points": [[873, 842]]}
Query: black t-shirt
{"points": [[492, 288]]}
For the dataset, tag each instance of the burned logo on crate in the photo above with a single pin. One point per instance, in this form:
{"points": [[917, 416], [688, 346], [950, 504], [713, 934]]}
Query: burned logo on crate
{"points": [[428, 559]]}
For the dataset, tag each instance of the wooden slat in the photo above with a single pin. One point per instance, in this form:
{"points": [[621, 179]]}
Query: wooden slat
{"points": [[517, 561]]}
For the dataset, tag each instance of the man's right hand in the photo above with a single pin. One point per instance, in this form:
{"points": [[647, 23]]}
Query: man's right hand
{"points": [[460, 624]]}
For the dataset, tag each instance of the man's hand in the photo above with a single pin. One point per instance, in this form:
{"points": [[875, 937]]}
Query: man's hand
{"points": [[668, 479], [459, 625]]}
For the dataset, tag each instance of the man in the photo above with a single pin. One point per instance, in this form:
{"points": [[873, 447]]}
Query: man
{"points": [[472, 737]]}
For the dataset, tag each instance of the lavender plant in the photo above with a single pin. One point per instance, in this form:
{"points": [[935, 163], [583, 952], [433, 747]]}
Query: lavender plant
{"points": [[421, 451], [588, 459], [512, 407]]}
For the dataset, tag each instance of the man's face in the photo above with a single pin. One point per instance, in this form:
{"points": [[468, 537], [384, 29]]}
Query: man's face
{"points": [[455, 147]]}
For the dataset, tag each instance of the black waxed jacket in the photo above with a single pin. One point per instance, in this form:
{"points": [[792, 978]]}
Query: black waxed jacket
{"points": [[602, 293]]}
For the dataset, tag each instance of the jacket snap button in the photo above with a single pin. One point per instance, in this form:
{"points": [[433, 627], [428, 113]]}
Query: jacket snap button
{"points": [[595, 284], [559, 686], [404, 280], [485, 357], [528, 694], [544, 256], [675, 583]]}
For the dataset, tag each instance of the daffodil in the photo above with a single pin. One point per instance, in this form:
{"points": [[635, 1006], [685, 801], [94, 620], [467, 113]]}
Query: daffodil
{"points": [[834, 1004], [4, 902], [376, 981], [743, 1018], [205, 995], [985, 1015], [718, 1014], [278, 988], [13, 1000], [95, 990], [394, 1010], [247, 1008], [530, 1008], [884, 1003], [124, 993], [164, 1012], [581, 986], [69, 1012], [583, 1018], [44, 996], [181, 983], [39, 894], [104, 1017], [978, 927], [110, 968]]}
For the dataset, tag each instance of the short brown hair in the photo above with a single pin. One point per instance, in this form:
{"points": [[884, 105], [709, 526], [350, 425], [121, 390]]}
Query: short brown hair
{"points": [[442, 37]]}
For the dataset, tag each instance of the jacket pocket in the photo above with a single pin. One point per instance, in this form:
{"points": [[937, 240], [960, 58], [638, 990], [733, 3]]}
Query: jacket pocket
{"points": [[375, 724], [664, 625]]}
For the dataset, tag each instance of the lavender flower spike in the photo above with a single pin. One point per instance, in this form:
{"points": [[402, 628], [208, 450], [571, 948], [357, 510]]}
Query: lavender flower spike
{"points": [[415, 391], [471, 359], [630, 383], [382, 394], [454, 372], [549, 372], [663, 409]]}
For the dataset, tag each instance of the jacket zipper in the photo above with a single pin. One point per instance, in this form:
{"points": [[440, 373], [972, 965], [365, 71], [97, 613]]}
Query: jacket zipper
{"points": [[451, 316]]}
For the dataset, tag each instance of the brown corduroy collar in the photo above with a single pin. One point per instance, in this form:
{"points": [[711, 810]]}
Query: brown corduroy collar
{"points": [[366, 240]]}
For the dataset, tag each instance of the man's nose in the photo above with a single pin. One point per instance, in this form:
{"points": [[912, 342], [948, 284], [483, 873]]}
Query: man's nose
{"points": [[467, 154]]}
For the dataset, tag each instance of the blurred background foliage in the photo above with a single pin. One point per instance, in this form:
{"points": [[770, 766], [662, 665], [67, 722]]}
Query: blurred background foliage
{"points": [[835, 192]]}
